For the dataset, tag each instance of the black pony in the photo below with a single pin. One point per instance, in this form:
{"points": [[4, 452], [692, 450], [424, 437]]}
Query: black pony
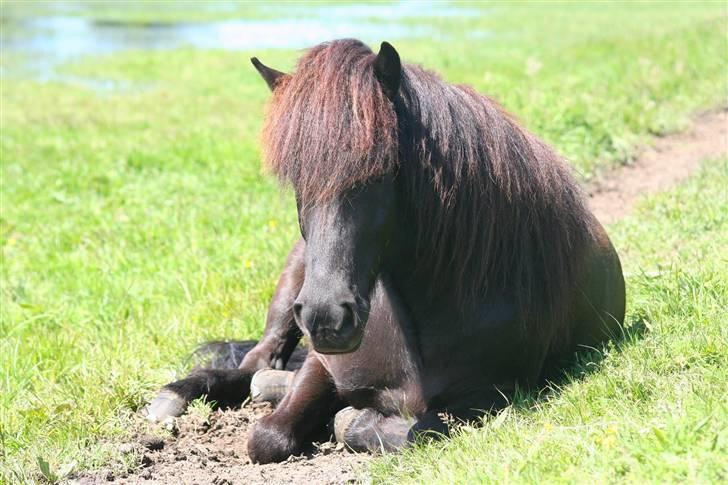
{"points": [[447, 257]]}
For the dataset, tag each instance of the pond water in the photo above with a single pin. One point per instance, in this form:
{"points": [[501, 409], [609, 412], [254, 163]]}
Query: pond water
{"points": [[45, 42]]}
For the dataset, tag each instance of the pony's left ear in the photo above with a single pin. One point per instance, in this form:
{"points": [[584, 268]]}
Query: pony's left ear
{"points": [[388, 69], [270, 75]]}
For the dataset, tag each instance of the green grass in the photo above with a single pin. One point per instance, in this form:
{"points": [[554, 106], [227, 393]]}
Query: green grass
{"points": [[135, 224], [651, 408]]}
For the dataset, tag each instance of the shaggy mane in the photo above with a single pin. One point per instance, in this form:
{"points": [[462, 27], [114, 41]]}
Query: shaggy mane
{"points": [[330, 126], [497, 211]]}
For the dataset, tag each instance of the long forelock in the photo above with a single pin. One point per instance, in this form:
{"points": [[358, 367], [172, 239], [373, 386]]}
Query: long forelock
{"points": [[329, 125]]}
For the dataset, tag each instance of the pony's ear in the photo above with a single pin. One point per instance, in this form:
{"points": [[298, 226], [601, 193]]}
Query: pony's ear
{"points": [[270, 75], [388, 69]]}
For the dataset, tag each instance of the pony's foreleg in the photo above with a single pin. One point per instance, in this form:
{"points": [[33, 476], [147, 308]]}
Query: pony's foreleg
{"points": [[232, 386], [369, 430], [304, 411], [281, 334]]}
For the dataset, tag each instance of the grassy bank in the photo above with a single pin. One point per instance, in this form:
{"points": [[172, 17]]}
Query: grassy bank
{"points": [[649, 409], [136, 223]]}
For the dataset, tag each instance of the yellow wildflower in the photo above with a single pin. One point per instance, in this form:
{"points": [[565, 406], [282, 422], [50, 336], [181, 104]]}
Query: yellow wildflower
{"points": [[608, 440]]}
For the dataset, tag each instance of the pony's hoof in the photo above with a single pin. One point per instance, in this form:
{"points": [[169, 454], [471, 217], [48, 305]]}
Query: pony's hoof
{"points": [[368, 430], [268, 442], [343, 422], [269, 385], [165, 405]]}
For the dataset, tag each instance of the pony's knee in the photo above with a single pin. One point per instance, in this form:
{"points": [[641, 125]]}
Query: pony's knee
{"points": [[259, 357], [270, 442]]}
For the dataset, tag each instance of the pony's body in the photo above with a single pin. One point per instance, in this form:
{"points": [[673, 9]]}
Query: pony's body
{"points": [[448, 255]]}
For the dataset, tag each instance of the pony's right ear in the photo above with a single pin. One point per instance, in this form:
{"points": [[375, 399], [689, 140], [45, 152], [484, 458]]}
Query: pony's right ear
{"points": [[388, 69], [270, 75]]}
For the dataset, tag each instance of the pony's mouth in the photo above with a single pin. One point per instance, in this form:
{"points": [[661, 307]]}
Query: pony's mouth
{"points": [[328, 349], [344, 341]]}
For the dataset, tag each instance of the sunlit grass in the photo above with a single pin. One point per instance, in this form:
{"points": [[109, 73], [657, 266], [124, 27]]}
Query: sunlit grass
{"points": [[648, 408]]}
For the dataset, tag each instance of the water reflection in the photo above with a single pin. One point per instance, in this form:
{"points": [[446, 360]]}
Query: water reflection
{"points": [[45, 42]]}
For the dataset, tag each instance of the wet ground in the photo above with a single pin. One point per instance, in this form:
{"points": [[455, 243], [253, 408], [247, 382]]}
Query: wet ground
{"points": [[64, 33]]}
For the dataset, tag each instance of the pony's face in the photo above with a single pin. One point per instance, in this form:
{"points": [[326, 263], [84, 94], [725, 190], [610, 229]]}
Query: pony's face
{"points": [[347, 235], [346, 242]]}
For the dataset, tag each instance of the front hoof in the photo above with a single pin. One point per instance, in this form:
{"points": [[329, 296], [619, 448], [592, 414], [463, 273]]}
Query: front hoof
{"points": [[352, 426], [270, 385], [268, 443], [166, 404], [343, 422]]}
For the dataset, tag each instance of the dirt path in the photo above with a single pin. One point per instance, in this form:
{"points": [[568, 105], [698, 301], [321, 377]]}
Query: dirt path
{"points": [[212, 450], [669, 160]]}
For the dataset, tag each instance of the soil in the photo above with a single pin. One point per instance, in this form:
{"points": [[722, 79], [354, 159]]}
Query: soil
{"points": [[666, 162], [212, 450], [194, 449]]}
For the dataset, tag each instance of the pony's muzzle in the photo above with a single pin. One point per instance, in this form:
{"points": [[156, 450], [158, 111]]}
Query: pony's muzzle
{"points": [[332, 327]]}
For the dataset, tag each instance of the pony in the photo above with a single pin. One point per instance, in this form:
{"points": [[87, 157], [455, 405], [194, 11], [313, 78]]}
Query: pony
{"points": [[447, 258]]}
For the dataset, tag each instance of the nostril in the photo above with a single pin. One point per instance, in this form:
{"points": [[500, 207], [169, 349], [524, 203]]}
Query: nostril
{"points": [[297, 308], [347, 316]]}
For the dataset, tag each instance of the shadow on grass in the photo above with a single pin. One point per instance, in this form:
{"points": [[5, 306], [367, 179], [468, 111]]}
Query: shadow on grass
{"points": [[585, 362]]}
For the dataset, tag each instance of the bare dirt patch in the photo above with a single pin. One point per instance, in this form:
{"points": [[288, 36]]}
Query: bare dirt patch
{"points": [[666, 162], [212, 450]]}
